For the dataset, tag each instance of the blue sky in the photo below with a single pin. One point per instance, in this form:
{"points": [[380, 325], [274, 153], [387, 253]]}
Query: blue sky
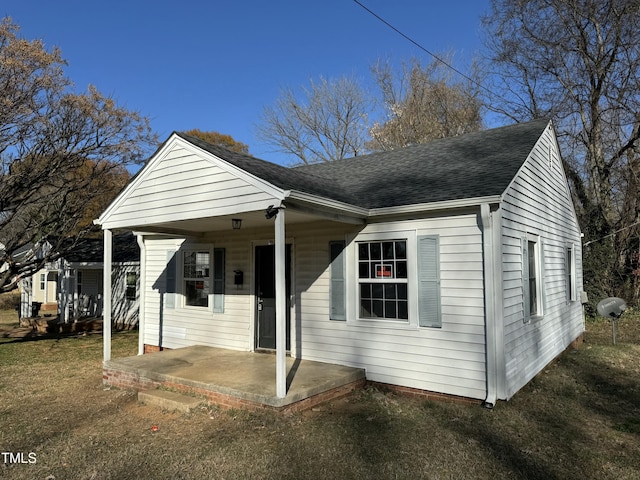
{"points": [[214, 65]]}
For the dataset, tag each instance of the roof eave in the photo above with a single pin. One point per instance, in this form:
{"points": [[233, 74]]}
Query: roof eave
{"points": [[432, 206], [358, 214]]}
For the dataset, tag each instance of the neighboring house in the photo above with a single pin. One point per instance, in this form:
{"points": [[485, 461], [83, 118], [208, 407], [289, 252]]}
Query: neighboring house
{"points": [[452, 267], [71, 286]]}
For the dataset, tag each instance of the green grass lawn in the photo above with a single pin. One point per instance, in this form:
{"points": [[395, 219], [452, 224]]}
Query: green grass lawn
{"points": [[579, 419]]}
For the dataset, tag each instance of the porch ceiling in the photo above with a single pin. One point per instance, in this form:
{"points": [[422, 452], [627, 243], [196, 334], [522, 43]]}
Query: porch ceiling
{"points": [[250, 220]]}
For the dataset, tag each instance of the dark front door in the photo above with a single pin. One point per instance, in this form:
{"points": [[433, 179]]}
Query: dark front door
{"points": [[265, 289]]}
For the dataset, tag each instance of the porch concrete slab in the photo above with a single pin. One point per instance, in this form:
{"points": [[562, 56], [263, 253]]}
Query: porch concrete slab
{"points": [[246, 375]]}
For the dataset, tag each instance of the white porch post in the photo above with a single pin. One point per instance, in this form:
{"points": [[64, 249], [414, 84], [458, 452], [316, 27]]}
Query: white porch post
{"points": [[106, 306], [281, 305], [63, 292]]}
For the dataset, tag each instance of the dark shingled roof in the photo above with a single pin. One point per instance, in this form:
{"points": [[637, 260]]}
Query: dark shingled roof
{"points": [[468, 166], [125, 249]]}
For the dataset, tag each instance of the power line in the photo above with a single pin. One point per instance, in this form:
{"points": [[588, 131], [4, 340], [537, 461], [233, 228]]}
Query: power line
{"points": [[611, 234], [407, 37]]}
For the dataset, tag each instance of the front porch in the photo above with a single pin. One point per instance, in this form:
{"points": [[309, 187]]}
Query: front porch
{"points": [[233, 379]]}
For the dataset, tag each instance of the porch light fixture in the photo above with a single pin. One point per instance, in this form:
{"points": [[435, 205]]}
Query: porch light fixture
{"points": [[236, 223], [271, 212]]}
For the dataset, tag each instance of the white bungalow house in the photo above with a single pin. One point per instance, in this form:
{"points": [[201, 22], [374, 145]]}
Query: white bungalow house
{"points": [[451, 267], [71, 286]]}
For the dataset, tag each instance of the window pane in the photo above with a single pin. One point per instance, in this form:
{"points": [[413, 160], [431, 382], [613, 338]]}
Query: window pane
{"points": [[377, 290], [533, 300], [365, 308], [533, 293], [189, 271], [365, 290], [402, 291], [390, 291], [401, 269], [390, 310], [197, 293], [189, 258], [403, 312], [387, 250], [363, 270], [375, 251], [373, 270], [532, 260], [363, 251], [401, 249], [377, 308]]}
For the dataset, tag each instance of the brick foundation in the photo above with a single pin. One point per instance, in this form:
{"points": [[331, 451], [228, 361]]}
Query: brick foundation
{"points": [[424, 394], [127, 380], [153, 348]]}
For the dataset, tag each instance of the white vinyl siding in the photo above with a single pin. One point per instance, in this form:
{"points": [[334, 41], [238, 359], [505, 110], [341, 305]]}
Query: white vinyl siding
{"points": [[181, 327], [537, 204], [450, 359], [182, 185]]}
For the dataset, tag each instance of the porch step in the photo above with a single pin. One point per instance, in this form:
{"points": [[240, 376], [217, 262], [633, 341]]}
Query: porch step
{"points": [[170, 401]]}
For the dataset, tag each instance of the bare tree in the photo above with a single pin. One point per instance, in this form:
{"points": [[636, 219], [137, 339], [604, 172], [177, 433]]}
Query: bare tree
{"points": [[423, 104], [328, 123], [578, 62], [63, 155], [220, 139]]}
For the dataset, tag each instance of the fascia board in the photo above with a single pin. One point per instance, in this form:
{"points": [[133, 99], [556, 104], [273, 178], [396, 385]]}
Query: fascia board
{"points": [[328, 203], [426, 207]]}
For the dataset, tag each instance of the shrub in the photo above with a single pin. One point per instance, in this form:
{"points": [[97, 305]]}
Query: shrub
{"points": [[9, 301]]}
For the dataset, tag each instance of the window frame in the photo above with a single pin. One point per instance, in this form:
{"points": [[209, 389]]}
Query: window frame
{"points": [[570, 273], [409, 237], [43, 282], [128, 286], [535, 243], [196, 248]]}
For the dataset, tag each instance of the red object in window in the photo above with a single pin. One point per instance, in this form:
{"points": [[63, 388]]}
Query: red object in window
{"points": [[199, 285], [384, 271]]}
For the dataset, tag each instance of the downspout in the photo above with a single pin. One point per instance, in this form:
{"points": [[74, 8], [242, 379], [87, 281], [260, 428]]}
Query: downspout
{"points": [[141, 292], [489, 305]]}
